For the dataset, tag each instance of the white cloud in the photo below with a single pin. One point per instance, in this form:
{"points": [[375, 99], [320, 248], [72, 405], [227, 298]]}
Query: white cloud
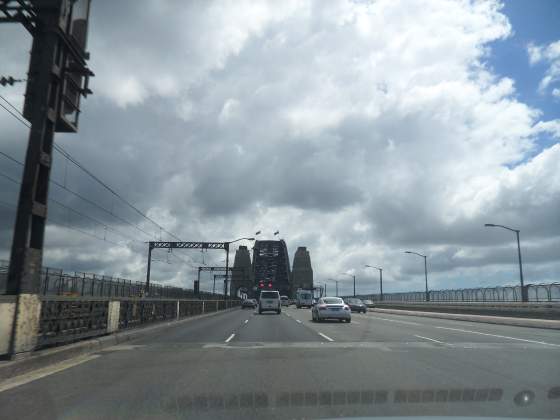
{"points": [[550, 55], [357, 129]]}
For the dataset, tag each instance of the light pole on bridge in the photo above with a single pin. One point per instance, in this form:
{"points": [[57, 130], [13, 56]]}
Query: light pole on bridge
{"points": [[425, 271], [380, 280], [353, 277], [524, 297]]}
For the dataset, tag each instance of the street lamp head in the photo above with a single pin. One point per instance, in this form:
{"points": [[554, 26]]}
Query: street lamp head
{"points": [[407, 252], [489, 225]]}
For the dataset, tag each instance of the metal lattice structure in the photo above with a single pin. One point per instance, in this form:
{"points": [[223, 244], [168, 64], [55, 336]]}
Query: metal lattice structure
{"points": [[271, 264]]}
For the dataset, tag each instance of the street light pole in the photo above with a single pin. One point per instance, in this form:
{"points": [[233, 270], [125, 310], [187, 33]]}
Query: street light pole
{"points": [[425, 272], [353, 277], [380, 280], [226, 247], [524, 297], [336, 283]]}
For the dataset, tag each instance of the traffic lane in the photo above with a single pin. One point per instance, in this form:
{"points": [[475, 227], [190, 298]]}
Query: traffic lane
{"points": [[168, 382], [385, 328], [361, 329], [271, 327], [214, 328], [536, 334]]}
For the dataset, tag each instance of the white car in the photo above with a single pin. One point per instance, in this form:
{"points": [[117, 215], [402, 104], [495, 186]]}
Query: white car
{"points": [[270, 301], [285, 300], [331, 308]]}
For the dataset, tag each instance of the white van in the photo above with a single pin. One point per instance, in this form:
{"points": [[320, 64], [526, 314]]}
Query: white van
{"points": [[270, 301]]}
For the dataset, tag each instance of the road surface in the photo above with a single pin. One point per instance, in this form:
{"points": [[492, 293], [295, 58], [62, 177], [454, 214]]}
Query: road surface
{"points": [[243, 365]]}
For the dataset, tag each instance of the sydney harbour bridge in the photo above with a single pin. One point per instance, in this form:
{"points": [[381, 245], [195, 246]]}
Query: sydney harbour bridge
{"points": [[269, 269]]}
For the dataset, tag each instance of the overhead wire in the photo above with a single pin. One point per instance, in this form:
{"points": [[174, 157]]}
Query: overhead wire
{"points": [[81, 197], [85, 216], [64, 225], [70, 158]]}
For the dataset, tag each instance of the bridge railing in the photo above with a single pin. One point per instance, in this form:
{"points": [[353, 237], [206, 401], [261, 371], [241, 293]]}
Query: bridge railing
{"points": [[55, 282], [547, 292], [68, 319]]}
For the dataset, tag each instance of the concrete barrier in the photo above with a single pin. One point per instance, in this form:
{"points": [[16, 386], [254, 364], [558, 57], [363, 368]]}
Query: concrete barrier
{"points": [[7, 311], [501, 320], [536, 310]]}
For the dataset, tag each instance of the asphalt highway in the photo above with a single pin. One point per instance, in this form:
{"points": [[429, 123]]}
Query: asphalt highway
{"points": [[243, 365]]}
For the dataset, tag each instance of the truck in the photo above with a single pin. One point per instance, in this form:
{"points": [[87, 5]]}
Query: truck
{"points": [[304, 298]]}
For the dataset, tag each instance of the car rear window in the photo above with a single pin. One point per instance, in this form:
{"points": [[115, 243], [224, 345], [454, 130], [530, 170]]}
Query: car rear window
{"points": [[332, 301], [269, 295]]}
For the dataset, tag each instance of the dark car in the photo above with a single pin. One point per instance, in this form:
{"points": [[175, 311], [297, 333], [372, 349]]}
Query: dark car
{"points": [[356, 305], [369, 303], [249, 303]]}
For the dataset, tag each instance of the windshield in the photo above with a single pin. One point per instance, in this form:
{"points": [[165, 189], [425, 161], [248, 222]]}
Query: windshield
{"points": [[279, 209]]}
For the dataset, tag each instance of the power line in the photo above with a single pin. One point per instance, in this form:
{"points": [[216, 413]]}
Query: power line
{"points": [[95, 178], [85, 216], [57, 223], [74, 210], [15, 116], [69, 157], [87, 200]]}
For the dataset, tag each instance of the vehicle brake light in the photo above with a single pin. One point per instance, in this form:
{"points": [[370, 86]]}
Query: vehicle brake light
{"points": [[322, 306], [346, 308]]}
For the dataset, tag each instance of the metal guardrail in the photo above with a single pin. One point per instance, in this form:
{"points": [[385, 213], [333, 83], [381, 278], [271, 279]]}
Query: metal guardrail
{"points": [[71, 320], [65, 319], [56, 282], [549, 292]]}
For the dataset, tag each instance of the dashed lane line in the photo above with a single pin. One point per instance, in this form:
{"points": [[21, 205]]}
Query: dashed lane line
{"points": [[499, 336], [298, 321], [246, 321], [433, 339], [230, 338], [326, 337]]}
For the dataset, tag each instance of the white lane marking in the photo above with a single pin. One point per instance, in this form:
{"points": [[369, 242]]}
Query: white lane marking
{"points": [[298, 321], [432, 339], [46, 371], [326, 337], [499, 336], [230, 338], [395, 320], [246, 321]]}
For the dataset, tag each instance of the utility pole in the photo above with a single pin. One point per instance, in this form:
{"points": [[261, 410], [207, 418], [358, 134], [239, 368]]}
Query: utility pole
{"points": [[57, 77]]}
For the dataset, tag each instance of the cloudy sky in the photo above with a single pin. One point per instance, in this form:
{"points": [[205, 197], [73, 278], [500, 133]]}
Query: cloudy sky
{"points": [[359, 129]]}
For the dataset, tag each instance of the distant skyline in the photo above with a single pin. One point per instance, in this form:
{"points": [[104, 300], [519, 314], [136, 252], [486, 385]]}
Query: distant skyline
{"points": [[356, 129]]}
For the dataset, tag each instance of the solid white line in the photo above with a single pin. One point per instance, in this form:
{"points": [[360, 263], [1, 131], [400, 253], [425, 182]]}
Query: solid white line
{"points": [[499, 336], [230, 338], [432, 339], [297, 320], [395, 320], [46, 371], [326, 337]]}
